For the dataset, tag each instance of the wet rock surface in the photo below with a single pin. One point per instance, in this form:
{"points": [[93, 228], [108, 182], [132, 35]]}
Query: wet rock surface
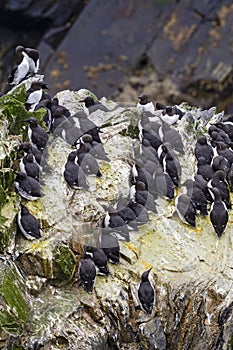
{"points": [[191, 268]]}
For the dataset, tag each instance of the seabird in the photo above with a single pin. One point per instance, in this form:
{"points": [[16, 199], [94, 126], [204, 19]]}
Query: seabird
{"points": [[218, 213], [30, 167], [36, 134], [27, 186], [151, 136], [223, 150], [27, 147], [140, 212], [144, 104], [87, 126], [86, 143], [88, 163], [99, 258], [92, 105], [227, 127], [219, 181], [140, 173], [34, 94], [204, 169], [87, 273], [197, 196], [170, 115], [33, 59], [201, 183], [74, 174], [148, 151], [46, 104], [203, 149], [146, 293], [29, 226], [172, 167], [164, 184], [185, 209], [21, 68], [110, 245], [139, 194], [113, 220], [218, 135], [171, 135], [127, 213], [220, 163]]}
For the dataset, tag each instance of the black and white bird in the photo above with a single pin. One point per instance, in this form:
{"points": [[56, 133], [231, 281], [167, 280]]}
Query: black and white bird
{"points": [[27, 147], [218, 213], [204, 168], [27, 64], [110, 245], [225, 151], [59, 120], [149, 118], [29, 166], [171, 135], [140, 212], [163, 149], [74, 174], [36, 134], [87, 273], [127, 213], [87, 126], [34, 94], [21, 67], [203, 149], [55, 104], [144, 104], [46, 104], [33, 60], [147, 151], [92, 105], [227, 127], [141, 173], [150, 135], [146, 293], [86, 143], [185, 209], [28, 224], [219, 181], [170, 115], [202, 183], [99, 258], [88, 163], [220, 163], [28, 187], [218, 135], [164, 184], [197, 196], [139, 194], [113, 220], [171, 166]]}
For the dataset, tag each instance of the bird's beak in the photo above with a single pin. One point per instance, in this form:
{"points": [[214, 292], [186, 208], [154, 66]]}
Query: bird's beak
{"points": [[25, 121]]}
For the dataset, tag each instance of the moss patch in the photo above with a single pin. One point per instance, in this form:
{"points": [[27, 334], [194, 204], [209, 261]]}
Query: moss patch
{"points": [[14, 312], [64, 263]]}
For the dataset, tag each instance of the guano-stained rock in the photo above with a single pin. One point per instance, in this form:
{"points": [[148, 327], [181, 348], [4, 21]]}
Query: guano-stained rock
{"points": [[191, 268]]}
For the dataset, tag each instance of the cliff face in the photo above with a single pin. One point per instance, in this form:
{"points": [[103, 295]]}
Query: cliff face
{"points": [[43, 304]]}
